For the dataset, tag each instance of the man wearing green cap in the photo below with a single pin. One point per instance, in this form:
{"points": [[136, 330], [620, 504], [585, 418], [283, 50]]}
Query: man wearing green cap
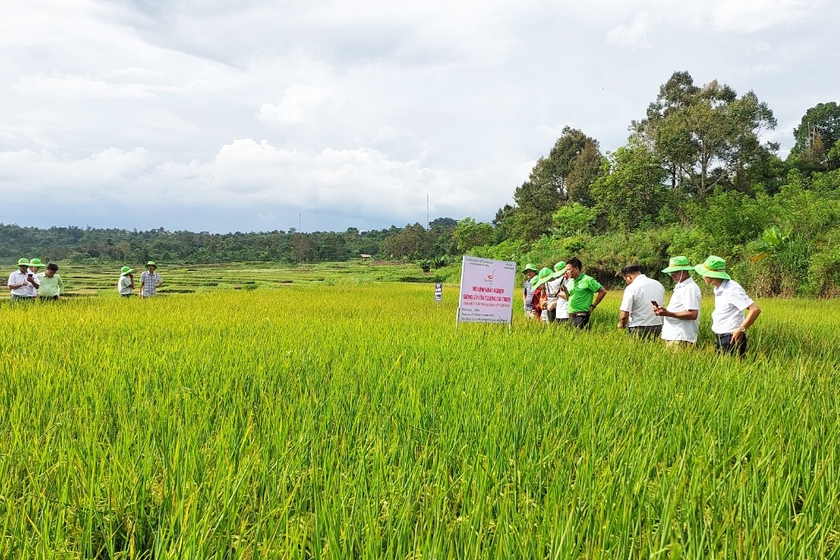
{"points": [[528, 292], [22, 283], [580, 296], [681, 319], [150, 280], [125, 286], [728, 321]]}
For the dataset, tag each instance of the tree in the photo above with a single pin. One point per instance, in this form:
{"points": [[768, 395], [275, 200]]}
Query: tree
{"points": [[585, 169], [705, 136], [469, 234], [817, 134], [630, 192]]}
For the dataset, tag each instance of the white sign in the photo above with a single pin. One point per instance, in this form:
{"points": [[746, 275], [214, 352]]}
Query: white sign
{"points": [[486, 291], [438, 292]]}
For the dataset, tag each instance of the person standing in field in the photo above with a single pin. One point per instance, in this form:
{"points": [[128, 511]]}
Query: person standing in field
{"points": [[731, 301], [681, 319], [558, 308], [580, 295], [34, 266], [641, 297], [22, 283], [150, 280], [125, 286], [528, 291], [540, 297], [51, 285]]}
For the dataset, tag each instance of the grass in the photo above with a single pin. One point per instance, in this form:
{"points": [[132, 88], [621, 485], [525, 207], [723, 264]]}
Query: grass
{"points": [[320, 421]]}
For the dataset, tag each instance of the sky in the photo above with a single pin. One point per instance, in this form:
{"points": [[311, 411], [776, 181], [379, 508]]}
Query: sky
{"points": [[319, 115]]}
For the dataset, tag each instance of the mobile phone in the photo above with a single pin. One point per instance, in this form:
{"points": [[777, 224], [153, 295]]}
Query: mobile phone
{"points": [[654, 303]]}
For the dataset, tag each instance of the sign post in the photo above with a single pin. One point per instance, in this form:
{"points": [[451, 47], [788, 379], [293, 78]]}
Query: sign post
{"points": [[486, 294], [438, 292]]}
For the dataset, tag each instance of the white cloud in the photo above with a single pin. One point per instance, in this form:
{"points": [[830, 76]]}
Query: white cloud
{"points": [[299, 104], [632, 35]]}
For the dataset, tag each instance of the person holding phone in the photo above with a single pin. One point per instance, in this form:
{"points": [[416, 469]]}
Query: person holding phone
{"points": [[681, 319], [641, 297], [22, 283]]}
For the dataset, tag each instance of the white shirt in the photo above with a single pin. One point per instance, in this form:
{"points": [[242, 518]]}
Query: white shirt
{"points": [[17, 277], [637, 301], [730, 302], [686, 297], [562, 309], [124, 285]]}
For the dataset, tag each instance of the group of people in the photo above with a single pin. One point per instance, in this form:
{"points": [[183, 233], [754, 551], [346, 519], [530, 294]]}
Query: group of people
{"points": [[28, 283], [150, 281], [567, 295]]}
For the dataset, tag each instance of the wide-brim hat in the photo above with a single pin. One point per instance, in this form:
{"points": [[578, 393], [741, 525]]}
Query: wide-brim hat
{"points": [[126, 270], [713, 267], [677, 264], [23, 262], [530, 266], [542, 277], [559, 269], [151, 263], [36, 263]]}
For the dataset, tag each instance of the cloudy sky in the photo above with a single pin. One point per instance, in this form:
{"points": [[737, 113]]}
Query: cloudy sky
{"points": [[253, 115]]}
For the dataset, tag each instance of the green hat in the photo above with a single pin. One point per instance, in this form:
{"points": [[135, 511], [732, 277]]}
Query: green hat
{"points": [[151, 263], [676, 264], [126, 270], [23, 262], [559, 269], [36, 263], [714, 267], [544, 276], [530, 266]]}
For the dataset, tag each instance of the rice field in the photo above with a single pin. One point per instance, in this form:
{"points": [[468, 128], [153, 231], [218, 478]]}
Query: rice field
{"points": [[356, 421]]}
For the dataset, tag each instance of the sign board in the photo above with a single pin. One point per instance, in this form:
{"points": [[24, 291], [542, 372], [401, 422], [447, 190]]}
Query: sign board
{"points": [[486, 291], [438, 292]]}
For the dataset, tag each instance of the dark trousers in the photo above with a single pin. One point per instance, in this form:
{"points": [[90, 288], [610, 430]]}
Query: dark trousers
{"points": [[647, 333], [579, 320], [724, 344]]}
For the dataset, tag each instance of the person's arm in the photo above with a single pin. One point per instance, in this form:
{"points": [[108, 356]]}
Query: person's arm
{"points": [[687, 315], [599, 295], [753, 312], [34, 281], [131, 281], [623, 319], [60, 287]]}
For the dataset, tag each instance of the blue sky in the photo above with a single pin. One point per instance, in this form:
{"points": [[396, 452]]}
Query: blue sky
{"points": [[257, 115]]}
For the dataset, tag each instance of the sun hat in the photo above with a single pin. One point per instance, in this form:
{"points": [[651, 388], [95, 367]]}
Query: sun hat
{"points": [[676, 264], [544, 276], [559, 269], [151, 263], [126, 270], [23, 262], [530, 266], [36, 263], [714, 267]]}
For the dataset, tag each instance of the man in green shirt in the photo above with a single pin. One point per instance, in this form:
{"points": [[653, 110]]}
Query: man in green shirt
{"points": [[51, 286], [580, 297]]}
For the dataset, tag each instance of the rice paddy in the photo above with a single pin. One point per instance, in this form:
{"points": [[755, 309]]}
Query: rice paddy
{"points": [[307, 420]]}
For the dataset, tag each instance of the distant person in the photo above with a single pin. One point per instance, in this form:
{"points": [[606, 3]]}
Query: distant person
{"points": [[22, 283], [528, 291], [51, 286], [150, 280], [540, 297], [641, 298], [558, 307], [728, 321], [580, 295], [125, 286], [681, 319]]}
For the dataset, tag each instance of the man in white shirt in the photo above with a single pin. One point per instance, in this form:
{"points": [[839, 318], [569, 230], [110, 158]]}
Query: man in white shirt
{"points": [[641, 296], [22, 283], [728, 321], [681, 319], [558, 307]]}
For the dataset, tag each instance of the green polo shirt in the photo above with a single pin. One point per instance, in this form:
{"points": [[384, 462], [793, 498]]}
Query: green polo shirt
{"points": [[50, 287], [582, 292]]}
